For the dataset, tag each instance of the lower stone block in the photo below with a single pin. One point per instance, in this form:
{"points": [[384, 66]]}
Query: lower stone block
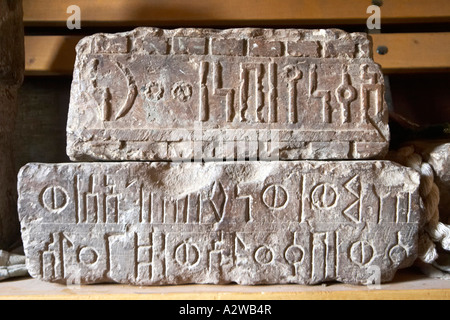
{"points": [[244, 222]]}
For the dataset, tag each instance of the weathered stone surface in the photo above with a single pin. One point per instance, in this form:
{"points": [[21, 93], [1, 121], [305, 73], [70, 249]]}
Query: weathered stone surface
{"points": [[245, 222], [153, 94], [11, 75]]}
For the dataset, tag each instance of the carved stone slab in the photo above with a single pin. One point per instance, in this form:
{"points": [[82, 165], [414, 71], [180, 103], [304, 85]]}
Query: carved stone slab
{"points": [[153, 94], [12, 63], [243, 222]]}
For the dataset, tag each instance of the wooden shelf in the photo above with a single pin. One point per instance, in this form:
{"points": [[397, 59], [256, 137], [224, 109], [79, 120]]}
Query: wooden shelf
{"points": [[407, 52], [413, 52], [408, 284], [231, 12]]}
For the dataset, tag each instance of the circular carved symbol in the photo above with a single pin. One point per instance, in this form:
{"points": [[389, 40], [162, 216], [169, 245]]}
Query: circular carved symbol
{"points": [[346, 93], [54, 199], [154, 91], [182, 91], [264, 255], [324, 196], [187, 254], [88, 256], [292, 72], [294, 254], [275, 197], [361, 253], [397, 254]]}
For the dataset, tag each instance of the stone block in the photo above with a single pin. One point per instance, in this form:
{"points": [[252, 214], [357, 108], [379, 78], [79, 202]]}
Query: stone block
{"points": [[161, 223], [303, 94]]}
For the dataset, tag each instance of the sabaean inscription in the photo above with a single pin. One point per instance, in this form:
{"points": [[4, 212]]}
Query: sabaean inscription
{"points": [[243, 222], [153, 94]]}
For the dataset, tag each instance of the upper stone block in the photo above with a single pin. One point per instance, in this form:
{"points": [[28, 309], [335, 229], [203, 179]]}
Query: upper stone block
{"points": [[153, 94]]}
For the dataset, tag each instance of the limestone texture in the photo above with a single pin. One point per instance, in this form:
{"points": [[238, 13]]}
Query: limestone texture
{"points": [[262, 94], [145, 223], [12, 63]]}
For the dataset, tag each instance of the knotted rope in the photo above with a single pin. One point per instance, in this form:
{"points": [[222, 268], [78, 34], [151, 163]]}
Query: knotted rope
{"points": [[433, 231], [12, 265]]}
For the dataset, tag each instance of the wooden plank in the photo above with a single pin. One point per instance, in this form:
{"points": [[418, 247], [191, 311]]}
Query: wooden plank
{"points": [[48, 55], [231, 12], [413, 52], [407, 284], [407, 52]]}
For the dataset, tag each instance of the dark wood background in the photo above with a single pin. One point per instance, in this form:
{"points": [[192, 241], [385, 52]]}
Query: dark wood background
{"points": [[416, 32]]}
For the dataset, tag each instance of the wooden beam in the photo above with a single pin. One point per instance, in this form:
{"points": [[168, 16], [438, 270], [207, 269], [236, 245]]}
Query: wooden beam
{"points": [[413, 52], [406, 285], [407, 52], [231, 12], [50, 55]]}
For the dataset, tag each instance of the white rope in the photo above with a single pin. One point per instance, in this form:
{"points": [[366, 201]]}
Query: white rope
{"points": [[433, 271], [434, 231], [12, 265]]}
